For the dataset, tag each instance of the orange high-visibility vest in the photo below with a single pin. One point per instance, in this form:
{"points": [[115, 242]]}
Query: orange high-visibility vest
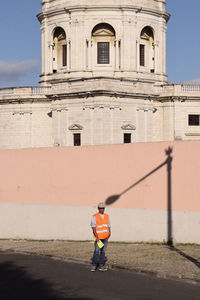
{"points": [[102, 226]]}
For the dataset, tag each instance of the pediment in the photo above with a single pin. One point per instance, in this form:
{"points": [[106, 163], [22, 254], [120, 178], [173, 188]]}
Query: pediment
{"points": [[61, 37], [75, 127], [128, 127], [103, 32], [145, 36]]}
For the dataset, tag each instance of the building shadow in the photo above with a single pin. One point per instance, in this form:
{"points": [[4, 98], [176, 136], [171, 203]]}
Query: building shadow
{"points": [[168, 162], [16, 284]]}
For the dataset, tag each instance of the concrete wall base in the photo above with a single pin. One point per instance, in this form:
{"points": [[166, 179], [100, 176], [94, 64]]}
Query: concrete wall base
{"points": [[47, 222]]}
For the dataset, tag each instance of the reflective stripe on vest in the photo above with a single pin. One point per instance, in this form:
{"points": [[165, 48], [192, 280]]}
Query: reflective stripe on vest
{"points": [[102, 226]]}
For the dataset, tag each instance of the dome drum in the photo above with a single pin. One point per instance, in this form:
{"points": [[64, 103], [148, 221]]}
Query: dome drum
{"points": [[114, 42]]}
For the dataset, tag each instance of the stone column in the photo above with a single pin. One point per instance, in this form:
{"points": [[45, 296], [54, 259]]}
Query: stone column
{"points": [[69, 55], [86, 53], [63, 126], [137, 55], [106, 125], [50, 57], [56, 126], [168, 121], [116, 54], [89, 54], [111, 125], [97, 126], [120, 53], [140, 125], [91, 110], [163, 49], [43, 69], [155, 51], [149, 127]]}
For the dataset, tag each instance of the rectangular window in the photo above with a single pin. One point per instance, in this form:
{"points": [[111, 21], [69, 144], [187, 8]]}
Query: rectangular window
{"points": [[142, 59], [127, 138], [193, 120], [103, 52], [64, 55], [77, 139]]}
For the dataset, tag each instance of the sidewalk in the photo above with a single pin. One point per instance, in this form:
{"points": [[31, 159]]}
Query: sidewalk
{"points": [[179, 262]]}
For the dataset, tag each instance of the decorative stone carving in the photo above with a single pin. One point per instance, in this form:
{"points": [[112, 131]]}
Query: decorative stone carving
{"points": [[128, 127], [75, 127]]}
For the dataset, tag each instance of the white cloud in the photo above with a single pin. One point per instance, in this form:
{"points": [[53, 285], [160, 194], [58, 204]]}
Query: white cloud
{"points": [[14, 70]]}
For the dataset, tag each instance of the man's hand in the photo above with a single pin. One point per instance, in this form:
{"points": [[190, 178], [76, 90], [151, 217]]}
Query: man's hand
{"points": [[95, 233], [109, 233]]}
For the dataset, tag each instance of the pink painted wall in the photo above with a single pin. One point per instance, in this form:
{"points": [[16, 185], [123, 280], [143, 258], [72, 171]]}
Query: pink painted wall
{"points": [[84, 176]]}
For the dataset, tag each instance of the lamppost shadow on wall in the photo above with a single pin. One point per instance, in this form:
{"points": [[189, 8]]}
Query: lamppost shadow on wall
{"points": [[168, 162]]}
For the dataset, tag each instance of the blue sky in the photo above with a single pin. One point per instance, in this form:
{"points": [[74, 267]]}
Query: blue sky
{"points": [[20, 33], [20, 52], [183, 41]]}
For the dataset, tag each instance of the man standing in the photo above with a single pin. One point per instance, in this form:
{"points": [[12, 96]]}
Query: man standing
{"points": [[100, 224]]}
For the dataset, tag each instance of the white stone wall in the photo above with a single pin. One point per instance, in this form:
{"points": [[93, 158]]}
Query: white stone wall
{"points": [[101, 119], [45, 222], [182, 128], [25, 125], [154, 4], [157, 123]]}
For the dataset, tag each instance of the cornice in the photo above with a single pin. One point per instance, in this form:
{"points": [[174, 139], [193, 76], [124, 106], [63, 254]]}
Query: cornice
{"points": [[93, 93], [94, 78], [19, 100], [41, 16], [178, 98]]}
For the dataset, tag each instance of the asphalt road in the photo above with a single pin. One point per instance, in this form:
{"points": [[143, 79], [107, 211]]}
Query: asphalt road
{"points": [[26, 277]]}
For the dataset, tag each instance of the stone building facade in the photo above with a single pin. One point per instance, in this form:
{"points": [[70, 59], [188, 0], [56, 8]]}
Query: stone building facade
{"points": [[103, 80]]}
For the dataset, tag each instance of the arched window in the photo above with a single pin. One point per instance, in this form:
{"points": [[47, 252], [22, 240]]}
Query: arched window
{"points": [[146, 50], [103, 37], [59, 49]]}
